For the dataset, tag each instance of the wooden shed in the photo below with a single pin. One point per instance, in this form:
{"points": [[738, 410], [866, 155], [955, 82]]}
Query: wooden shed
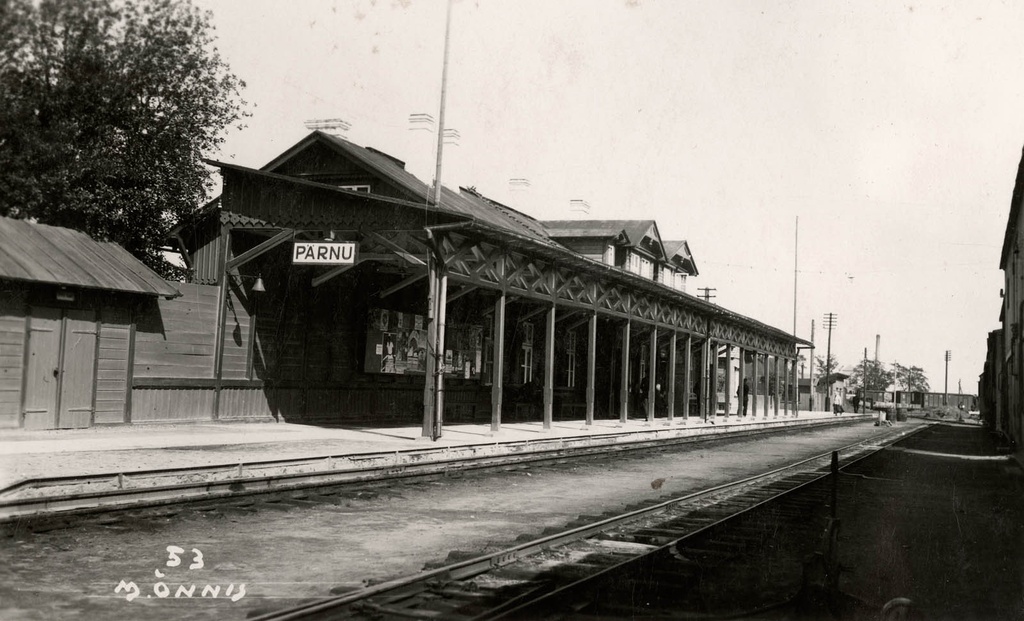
{"points": [[67, 304]]}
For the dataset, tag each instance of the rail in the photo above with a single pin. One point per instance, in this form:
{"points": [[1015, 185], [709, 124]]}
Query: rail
{"points": [[470, 568]]}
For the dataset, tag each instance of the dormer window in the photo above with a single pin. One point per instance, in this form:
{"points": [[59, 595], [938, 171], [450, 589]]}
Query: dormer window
{"points": [[633, 263], [665, 275], [641, 266], [646, 268]]}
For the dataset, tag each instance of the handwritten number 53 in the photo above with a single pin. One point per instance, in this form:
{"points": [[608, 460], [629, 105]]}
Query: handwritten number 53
{"points": [[173, 560]]}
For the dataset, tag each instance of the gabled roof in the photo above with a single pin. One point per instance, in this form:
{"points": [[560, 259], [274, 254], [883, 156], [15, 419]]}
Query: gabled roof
{"points": [[629, 233], [40, 253], [678, 251], [385, 166]]}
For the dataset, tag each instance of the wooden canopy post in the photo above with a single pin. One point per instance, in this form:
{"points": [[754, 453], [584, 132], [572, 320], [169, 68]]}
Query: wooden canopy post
{"points": [[549, 367], [431, 361], [741, 395], [767, 377], [498, 364], [705, 355], [624, 376], [728, 380], [795, 389], [785, 387], [778, 386], [591, 365], [652, 374], [687, 377], [670, 398]]}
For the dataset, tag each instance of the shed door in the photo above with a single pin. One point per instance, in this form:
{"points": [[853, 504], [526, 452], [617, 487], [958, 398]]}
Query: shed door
{"points": [[42, 370], [59, 376], [78, 367]]}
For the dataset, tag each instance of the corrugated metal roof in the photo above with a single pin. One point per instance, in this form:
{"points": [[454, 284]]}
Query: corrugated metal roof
{"points": [[34, 252]]}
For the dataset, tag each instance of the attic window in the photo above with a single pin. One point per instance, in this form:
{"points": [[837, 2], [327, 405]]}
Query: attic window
{"points": [[356, 188]]}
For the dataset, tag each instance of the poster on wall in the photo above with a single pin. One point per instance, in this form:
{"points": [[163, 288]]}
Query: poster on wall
{"points": [[463, 351], [396, 344]]}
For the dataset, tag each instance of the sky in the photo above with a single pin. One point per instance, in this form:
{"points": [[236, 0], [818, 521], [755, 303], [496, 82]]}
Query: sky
{"points": [[867, 148]]}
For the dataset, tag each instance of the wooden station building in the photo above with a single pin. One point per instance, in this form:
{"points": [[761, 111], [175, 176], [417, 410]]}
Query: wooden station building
{"points": [[328, 289]]}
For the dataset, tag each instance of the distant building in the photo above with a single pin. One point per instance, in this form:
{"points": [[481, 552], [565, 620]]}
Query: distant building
{"points": [[1002, 384]]}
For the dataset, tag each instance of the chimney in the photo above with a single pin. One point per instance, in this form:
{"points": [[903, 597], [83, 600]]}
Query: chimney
{"points": [[878, 343], [518, 189], [579, 206], [335, 127]]}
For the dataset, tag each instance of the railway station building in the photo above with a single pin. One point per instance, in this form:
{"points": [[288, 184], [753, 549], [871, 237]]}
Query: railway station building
{"points": [[328, 288]]}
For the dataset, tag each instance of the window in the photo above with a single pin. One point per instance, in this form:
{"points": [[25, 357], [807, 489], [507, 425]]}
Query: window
{"points": [[633, 263], [646, 269], [680, 281], [665, 275], [570, 362], [526, 355], [356, 188]]}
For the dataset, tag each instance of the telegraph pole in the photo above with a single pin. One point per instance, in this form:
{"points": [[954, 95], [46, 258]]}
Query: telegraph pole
{"points": [[796, 254], [864, 379], [810, 403], [707, 295], [896, 390], [829, 322], [945, 386], [437, 274]]}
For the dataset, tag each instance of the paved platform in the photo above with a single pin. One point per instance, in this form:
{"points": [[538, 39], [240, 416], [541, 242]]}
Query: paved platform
{"points": [[26, 455]]}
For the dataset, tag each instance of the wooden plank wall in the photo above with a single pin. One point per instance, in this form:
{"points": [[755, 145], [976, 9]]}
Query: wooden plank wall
{"points": [[237, 322], [172, 404], [244, 403], [175, 338], [12, 355], [112, 365]]}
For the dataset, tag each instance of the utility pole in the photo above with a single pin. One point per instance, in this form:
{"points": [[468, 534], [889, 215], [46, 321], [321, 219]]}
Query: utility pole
{"points": [[945, 386], [829, 322], [796, 254], [810, 404], [896, 390], [864, 380], [437, 272], [707, 295]]}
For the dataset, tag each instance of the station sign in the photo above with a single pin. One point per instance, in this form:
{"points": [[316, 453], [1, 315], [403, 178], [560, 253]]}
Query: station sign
{"points": [[324, 253]]}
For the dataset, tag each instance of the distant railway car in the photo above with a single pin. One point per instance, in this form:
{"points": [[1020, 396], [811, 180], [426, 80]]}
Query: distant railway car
{"points": [[914, 400]]}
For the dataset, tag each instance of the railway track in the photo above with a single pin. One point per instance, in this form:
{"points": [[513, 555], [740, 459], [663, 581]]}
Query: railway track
{"points": [[74, 495], [683, 553]]}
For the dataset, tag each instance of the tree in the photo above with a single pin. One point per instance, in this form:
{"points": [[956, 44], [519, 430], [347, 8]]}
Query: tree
{"points": [[911, 379], [820, 368], [106, 107], [878, 378]]}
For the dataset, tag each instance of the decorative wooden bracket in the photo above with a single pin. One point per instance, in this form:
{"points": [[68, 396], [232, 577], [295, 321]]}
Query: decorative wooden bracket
{"points": [[252, 253]]}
